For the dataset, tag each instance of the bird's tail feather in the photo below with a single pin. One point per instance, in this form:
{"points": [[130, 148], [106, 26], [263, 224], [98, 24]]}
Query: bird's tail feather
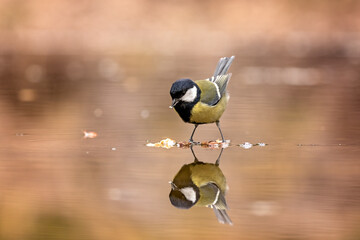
{"points": [[222, 216], [223, 65]]}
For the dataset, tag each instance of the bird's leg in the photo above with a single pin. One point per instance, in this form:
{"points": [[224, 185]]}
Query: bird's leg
{"points": [[191, 138], [195, 158], [218, 125], [218, 159]]}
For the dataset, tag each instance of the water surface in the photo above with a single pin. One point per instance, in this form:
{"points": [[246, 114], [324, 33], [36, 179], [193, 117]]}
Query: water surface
{"points": [[56, 184]]}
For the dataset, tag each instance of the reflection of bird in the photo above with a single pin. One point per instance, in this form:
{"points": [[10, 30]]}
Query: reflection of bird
{"points": [[201, 184], [203, 101]]}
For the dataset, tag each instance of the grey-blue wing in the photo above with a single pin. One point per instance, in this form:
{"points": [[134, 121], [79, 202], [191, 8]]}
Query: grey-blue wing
{"points": [[219, 205], [220, 201], [222, 82]]}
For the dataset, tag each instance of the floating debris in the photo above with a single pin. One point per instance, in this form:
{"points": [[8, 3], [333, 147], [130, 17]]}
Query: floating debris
{"points": [[261, 144], [113, 149], [89, 134], [246, 145], [169, 143], [165, 143], [216, 144], [183, 144]]}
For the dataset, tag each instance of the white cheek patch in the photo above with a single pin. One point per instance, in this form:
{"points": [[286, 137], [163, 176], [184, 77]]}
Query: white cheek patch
{"points": [[189, 193], [190, 95]]}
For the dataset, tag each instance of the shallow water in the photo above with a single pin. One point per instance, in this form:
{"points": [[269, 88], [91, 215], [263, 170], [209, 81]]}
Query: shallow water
{"points": [[56, 184]]}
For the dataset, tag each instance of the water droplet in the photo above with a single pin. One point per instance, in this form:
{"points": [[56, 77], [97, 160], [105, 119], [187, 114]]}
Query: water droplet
{"points": [[98, 112], [74, 71], [109, 69], [34, 73], [144, 114], [263, 208], [115, 194], [26, 95]]}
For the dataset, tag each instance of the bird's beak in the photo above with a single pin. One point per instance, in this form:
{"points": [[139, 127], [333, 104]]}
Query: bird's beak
{"points": [[174, 102], [173, 186]]}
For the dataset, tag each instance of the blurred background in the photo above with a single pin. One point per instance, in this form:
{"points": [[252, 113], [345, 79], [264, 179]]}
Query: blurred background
{"points": [[107, 67]]}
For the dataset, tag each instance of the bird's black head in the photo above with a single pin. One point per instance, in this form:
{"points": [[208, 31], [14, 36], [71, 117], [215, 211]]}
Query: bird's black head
{"points": [[184, 90], [178, 200], [179, 88], [185, 197]]}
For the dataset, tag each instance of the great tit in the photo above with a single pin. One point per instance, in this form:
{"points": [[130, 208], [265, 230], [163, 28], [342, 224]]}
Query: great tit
{"points": [[203, 101], [201, 184]]}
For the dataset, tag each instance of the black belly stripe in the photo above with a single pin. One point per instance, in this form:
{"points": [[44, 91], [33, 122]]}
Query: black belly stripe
{"points": [[184, 110]]}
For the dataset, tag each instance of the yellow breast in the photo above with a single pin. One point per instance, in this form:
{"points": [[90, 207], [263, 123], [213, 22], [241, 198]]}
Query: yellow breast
{"points": [[203, 113]]}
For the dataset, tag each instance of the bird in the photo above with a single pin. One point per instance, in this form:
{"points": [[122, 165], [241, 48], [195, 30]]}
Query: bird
{"points": [[203, 185], [203, 101]]}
